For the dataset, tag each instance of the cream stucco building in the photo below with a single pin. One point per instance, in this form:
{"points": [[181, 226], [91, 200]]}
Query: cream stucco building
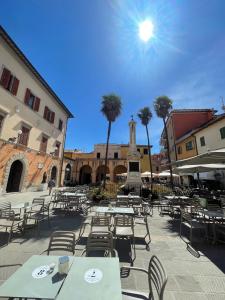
{"points": [[33, 122]]}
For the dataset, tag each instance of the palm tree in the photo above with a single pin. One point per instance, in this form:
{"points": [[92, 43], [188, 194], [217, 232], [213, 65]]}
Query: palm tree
{"points": [[163, 105], [145, 116], [111, 109]]}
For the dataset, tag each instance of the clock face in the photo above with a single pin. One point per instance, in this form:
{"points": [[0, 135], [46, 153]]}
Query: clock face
{"points": [[93, 275]]}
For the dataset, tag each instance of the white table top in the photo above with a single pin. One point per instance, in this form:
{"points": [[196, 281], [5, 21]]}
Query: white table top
{"points": [[115, 210], [176, 197], [128, 197]]}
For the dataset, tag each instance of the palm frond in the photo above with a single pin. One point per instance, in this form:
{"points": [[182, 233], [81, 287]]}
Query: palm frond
{"points": [[162, 106], [111, 107], [145, 115]]}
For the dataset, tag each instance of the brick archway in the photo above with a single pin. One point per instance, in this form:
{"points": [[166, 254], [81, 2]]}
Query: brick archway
{"points": [[23, 181]]}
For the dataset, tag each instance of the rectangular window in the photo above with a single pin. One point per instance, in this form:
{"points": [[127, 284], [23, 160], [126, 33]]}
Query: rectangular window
{"points": [[57, 146], [9, 81], [202, 141], [145, 151], [44, 143], [179, 150], [116, 155], [1, 121], [98, 155], [60, 125], [49, 115], [31, 100], [222, 133], [189, 146], [24, 136], [138, 150]]}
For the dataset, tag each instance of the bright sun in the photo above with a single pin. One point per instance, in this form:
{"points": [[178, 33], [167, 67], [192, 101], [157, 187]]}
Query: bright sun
{"points": [[146, 30]]}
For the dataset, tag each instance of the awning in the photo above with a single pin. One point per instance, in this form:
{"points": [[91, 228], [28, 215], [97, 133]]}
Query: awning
{"points": [[199, 168], [210, 157]]}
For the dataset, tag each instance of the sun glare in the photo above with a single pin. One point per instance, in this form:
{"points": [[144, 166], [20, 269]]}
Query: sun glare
{"points": [[146, 29]]}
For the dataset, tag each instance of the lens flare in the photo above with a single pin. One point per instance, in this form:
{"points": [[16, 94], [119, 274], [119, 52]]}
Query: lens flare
{"points": [[146, 29]]}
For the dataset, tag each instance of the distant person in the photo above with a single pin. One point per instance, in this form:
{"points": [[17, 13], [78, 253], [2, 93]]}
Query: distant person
{"points": [[51, 184]]}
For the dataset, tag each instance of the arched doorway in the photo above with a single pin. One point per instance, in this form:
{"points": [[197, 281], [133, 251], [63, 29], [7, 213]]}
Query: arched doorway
{"points": [[100, 172], [44, 178], [68, 170], [15, 176], [120, 169], [54, 173], [85, 175]]}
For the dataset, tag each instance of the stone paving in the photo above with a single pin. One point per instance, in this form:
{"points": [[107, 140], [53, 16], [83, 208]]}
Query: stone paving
{"points": [[189, 277]]}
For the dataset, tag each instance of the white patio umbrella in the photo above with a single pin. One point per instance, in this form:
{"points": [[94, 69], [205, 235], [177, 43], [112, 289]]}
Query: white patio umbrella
{"points": [[166, 174], [148, 174], [199, 168], [210, 157]]}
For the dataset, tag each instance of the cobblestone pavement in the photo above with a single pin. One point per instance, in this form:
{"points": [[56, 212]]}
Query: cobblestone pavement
{"points": [[189, 276]]}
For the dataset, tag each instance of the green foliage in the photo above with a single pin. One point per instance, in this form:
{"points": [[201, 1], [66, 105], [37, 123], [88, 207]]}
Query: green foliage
{"points": [[111, 107], [163, 105], [145, 115]]}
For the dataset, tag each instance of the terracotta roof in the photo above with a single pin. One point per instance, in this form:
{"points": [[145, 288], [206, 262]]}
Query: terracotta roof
{"points": [[20, 54], [189, 133]]}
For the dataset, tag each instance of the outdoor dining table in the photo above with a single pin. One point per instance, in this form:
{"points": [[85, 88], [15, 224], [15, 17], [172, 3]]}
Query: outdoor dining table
{"points": [[21, 207], [115, 210], [169, 197], [92, 278], [22, 284], [128, 197]]}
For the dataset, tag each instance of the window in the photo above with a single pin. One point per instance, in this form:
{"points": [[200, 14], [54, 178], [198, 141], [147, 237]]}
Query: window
{"points": [[145, 151], [60, 125], [98, 155], [1, 121], [44, 143], [202, 141], [189, 146], [24, 136], [57, 148], [31, 100], [116, 155], [9, 81], [222, 133], [157, 169], [138, 150], [179, 150], [49, 115]]}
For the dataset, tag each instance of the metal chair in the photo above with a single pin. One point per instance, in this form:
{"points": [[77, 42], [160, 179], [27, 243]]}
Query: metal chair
{"points": [[191, 223], [62, 241], [157, 280], [8, 222], [104, 203], [100, 242], [124, 228], [100, 223], [122, 203]]}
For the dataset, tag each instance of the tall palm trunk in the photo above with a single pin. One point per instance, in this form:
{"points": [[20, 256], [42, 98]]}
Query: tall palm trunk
{"points": [[106, 152], [149, 153], [168, 152]]}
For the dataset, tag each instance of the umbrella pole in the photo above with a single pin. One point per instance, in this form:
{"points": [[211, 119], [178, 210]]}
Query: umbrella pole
{"points": [[199, 181]]}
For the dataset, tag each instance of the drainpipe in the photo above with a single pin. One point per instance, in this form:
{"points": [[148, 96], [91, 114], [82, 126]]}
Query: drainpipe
{"points": [[62, 156]]}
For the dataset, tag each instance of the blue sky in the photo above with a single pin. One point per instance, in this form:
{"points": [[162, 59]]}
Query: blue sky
{"points": [[87, 48]]}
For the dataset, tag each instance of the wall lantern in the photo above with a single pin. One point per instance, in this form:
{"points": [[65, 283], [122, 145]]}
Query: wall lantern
{"points": [[40, 166]]}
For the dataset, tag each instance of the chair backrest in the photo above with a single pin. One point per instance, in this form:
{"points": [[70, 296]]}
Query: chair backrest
{"points": [[99, 241], [5, 205], [186, 216], [7, 214], [62, 241], [38, 201], [100, 221], [124, 221], [104, 202], [122, 203], [157, 277]]}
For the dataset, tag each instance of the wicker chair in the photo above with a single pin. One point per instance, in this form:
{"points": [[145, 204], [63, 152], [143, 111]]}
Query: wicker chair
{"points": [[157, 280], [63, 241]]}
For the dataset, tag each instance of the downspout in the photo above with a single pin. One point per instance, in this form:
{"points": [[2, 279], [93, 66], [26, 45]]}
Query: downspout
{"points": [[62, 155]]}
